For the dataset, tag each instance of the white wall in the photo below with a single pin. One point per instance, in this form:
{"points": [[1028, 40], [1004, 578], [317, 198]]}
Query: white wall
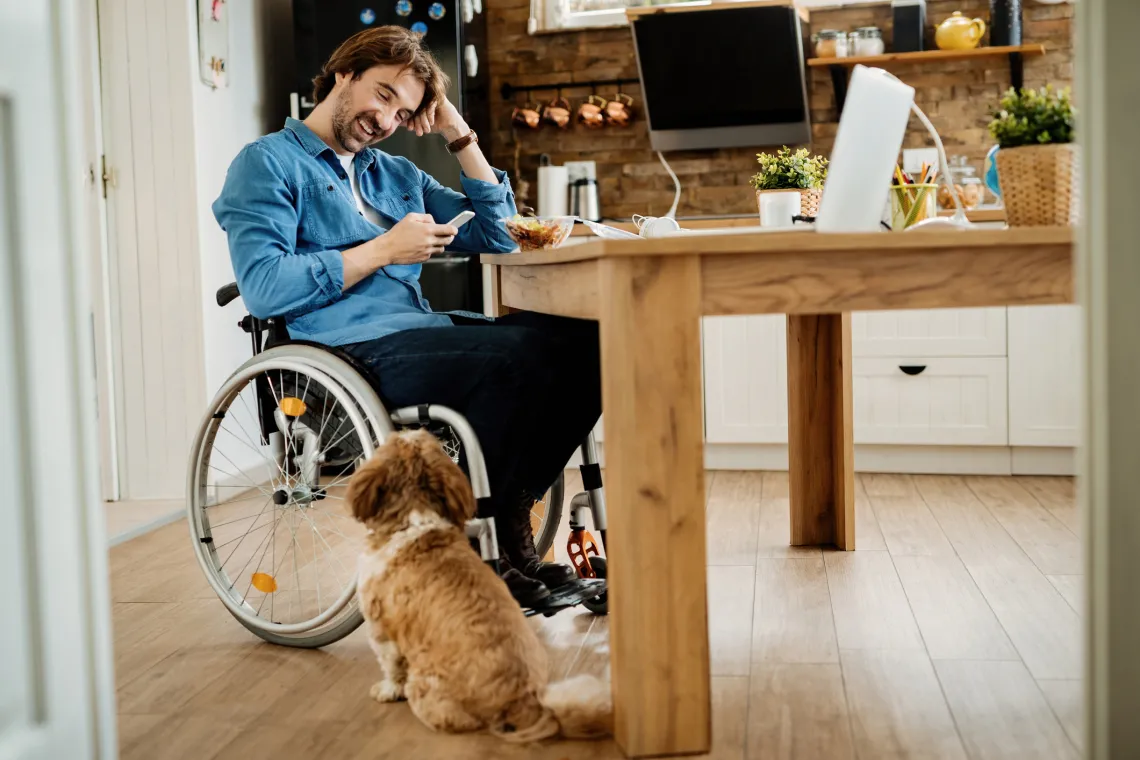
{"points": [[255, 102]]}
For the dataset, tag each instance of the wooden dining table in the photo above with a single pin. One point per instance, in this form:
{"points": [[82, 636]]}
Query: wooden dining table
{"points": [[648, 297]]}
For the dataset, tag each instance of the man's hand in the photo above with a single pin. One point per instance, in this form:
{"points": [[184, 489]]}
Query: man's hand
{"points": [[441, 117], [413, 240]]}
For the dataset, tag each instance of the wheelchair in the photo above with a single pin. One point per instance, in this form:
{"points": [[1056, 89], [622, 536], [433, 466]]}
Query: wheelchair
{"points": [[269, 469]]}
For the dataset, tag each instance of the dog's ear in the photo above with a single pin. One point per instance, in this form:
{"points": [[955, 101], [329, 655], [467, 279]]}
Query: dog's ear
{"points": [[390, 468], [443, 478]]}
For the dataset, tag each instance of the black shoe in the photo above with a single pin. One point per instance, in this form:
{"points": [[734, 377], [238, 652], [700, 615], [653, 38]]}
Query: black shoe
{"points": [[516, 541], [526, 591]]}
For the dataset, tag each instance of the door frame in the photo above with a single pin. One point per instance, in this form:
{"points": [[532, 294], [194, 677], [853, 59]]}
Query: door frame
{"points": [[101, 286]]}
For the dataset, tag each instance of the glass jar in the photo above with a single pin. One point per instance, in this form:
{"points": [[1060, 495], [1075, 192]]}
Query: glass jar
{"points": [[867, 40], [830, 43]]}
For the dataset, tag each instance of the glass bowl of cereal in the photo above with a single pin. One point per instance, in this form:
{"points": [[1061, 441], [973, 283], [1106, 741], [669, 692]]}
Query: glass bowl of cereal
{"points": [[537, 233]]}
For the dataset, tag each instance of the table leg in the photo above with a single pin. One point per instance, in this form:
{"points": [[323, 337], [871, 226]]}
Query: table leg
{"points": [[821, 460], [654, 450]]}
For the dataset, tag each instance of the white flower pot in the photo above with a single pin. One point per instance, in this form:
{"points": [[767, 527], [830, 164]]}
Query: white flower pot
{"points": [[777, 207]]}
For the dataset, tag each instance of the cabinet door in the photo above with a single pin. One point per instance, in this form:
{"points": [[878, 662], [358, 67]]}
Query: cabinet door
{"points": [[746, 379], [929, 332], [1044, 375], [949, 401]]}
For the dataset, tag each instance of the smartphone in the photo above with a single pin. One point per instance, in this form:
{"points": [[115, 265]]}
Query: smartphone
{"points": [[462, 219]]}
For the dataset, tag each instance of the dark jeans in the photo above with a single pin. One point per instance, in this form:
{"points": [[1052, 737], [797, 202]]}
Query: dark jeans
{"points": [[529, 384]]}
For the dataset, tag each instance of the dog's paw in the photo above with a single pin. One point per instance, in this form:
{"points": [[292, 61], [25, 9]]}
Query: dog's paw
{"points": [[387, 691]]}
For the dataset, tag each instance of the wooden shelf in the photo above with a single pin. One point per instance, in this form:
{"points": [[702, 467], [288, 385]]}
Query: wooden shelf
{"points": [[839, 66], [928, 56]]}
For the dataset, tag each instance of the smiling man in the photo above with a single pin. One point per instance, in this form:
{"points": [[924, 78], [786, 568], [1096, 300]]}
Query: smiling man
{"points": [[330, 233]]}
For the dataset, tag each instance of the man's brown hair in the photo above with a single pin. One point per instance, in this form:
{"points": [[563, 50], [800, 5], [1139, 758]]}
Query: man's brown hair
{"points": [[383, 46]]}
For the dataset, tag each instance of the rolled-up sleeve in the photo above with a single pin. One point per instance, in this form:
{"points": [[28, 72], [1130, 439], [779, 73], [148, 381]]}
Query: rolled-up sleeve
{"points": [[490, 202], [257, 209]]}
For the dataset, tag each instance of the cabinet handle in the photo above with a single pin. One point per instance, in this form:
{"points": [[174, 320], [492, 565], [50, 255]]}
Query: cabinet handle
{"points": [[912, 369]]}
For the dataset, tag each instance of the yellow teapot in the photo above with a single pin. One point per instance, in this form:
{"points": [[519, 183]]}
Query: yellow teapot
{"points": [[959, 32]]}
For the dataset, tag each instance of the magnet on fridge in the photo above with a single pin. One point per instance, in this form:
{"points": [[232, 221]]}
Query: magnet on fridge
{"points": [[419, 28], [367, 16], [437, 11], [404, 8]]}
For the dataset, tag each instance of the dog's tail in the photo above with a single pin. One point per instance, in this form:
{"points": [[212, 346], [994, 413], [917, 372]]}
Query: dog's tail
{"points": [[577, 708]]}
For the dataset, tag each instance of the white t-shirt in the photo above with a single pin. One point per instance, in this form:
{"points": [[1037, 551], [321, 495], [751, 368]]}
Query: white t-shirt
{"points": [[370, 213]]}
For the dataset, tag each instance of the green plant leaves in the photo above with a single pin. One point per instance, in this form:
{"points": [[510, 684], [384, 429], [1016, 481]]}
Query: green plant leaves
{"points": [[1033, 117], [786, 170]]}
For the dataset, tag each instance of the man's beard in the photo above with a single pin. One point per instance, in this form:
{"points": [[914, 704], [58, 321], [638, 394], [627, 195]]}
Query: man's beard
{"points": [[343, 124]]}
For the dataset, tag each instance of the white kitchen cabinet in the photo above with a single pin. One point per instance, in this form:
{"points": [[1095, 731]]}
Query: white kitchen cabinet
{"points": [[746, 379], [1044, 375], [932, 401], [929, 332]]}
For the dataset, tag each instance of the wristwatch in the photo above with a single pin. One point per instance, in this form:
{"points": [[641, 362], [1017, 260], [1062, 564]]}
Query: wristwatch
{"points": [[462, 142]]}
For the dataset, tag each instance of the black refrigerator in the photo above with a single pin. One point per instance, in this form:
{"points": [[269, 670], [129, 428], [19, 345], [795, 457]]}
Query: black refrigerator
{"points": [[455, 32]]}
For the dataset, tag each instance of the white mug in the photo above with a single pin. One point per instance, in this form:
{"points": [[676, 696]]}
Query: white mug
{"points": [[777, 209]]}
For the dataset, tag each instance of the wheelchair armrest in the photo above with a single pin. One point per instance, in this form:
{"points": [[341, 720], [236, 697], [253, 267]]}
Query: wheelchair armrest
{"points": [[227, 293]]}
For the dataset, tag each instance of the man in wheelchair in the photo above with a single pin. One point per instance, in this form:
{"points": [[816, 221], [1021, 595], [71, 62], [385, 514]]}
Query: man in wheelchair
{"points": [[329, 233]]}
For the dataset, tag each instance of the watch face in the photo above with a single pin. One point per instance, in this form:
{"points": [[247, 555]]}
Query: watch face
{"points": [[404, 8], [437, 11]]}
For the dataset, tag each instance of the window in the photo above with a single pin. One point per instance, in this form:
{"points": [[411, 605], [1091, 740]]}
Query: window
{"points": [[555, 15]]}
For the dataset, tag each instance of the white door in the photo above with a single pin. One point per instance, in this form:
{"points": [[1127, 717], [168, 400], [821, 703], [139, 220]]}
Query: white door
{"points": [[1044, 374], [746, 379], [56, 692], [929, 332], [154, 301]]}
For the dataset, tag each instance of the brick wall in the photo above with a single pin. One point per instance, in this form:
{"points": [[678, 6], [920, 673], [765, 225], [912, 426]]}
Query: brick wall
{"points": [[957, 96]]}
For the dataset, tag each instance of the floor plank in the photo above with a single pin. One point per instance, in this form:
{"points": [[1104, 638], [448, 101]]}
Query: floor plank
{"points": [[1072, 588], [871, 610], [908, 527], [1065, 697], [793, 621], [798, 712], [1058, 495], [1001, 713], [897, 707], [730, 595], [881, 484], [1053, 548], [953, 616], [1042, 626], [733, 516], [868, 535]]}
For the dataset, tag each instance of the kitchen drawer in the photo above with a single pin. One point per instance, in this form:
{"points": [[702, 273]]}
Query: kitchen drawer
{"points": [[929, 332], [944, 401]]}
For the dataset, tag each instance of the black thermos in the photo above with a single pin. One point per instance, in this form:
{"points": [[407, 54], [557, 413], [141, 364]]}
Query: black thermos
{"points": [[909, 17], [1005, 22]]}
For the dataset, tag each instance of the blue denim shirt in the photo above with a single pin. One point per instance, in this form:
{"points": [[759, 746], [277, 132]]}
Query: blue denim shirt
{"points": [[288, 211]]}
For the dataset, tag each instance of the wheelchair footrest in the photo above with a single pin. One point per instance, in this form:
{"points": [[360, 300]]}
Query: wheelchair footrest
{"points": [[570, 595]]}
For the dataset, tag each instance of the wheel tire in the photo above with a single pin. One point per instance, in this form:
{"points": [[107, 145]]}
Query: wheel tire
{"points": [[600, 604], [544, 536]]}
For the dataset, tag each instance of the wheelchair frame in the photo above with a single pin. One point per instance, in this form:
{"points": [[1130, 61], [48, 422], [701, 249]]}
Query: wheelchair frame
{"points": [[589, 563]]}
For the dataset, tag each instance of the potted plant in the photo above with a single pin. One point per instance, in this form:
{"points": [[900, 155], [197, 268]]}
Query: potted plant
{"points": [[1035, 159], [786, 171]]}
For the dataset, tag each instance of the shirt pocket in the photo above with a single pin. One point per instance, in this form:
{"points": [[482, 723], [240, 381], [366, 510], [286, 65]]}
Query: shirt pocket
{"points": [[396, 204], [328, 216]]}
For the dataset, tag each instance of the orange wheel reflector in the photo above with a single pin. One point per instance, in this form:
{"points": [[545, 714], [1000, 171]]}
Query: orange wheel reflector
{"points": [[264, 583], [292, 406]]}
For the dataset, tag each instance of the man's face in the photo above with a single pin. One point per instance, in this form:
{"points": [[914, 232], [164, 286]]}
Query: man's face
{"points": [[369, 109]]}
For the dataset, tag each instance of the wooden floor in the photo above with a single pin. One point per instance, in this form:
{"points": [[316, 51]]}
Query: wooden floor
{"points": [[953, 632]]}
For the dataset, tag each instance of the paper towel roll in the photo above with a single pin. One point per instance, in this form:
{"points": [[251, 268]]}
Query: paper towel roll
{"points": [[552, 190]]}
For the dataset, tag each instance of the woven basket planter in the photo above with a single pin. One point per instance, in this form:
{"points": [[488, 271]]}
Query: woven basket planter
{"points": [[809, 200], [1039, 185]]}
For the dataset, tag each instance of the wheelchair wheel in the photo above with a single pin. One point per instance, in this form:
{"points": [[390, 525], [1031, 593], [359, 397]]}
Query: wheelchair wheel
{"points": [[545, 514], [267, 513]]}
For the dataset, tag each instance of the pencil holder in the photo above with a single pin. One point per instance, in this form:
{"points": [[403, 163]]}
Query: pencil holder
{"points": [[912, 203]]}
